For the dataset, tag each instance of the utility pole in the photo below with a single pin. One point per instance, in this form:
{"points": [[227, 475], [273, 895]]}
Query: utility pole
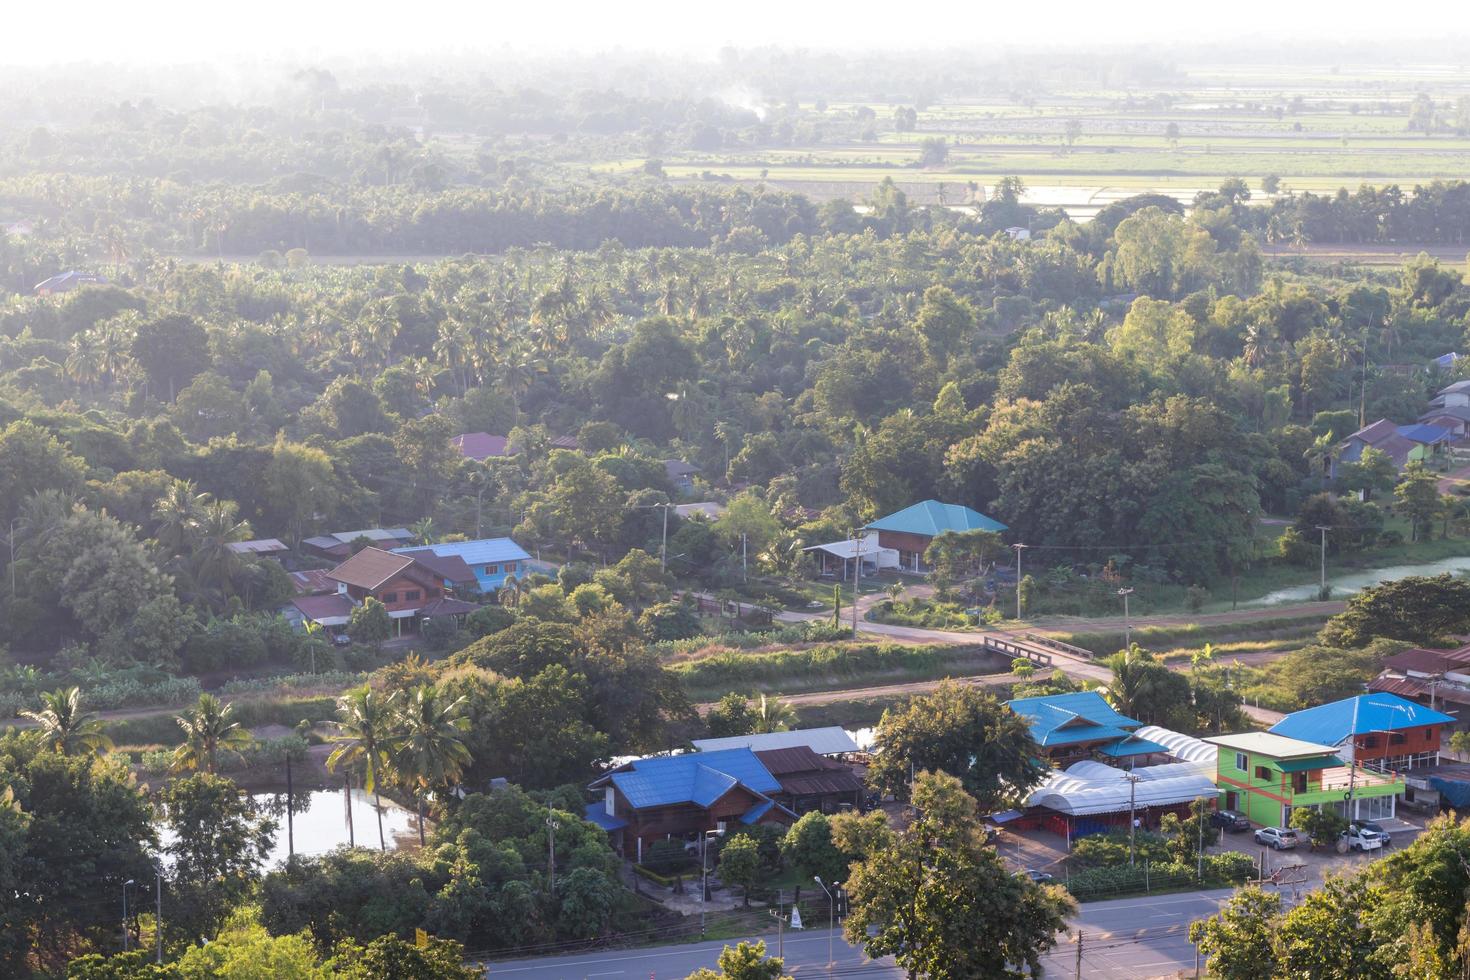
{"points": [[1132, 820], [158, 916], [1018, 546], [831, 922], [743, 553], [663, 549], [1127, 622], [1080, 934], [1322, 586], [290, 810], [10, 538], [857, 577], [551, 828]]}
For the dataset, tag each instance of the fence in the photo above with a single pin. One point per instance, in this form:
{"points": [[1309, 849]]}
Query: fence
{"points": [[1015, 650]]}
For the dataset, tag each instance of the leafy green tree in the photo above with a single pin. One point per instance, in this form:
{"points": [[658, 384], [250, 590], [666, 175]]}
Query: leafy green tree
{"points": [[1145, 689], [370, 623], [771, 715], [64, 727], [731, 715], [963, 731], [31, 460], [135, 964], [1418, 609], [747, 961], [391, 958], [1322, 827], [1326, 935], [1371, 473], [1191, 836], [808, 845], [954, 556], [748, 517], [1418, 497], [244, 950], [171, 350], [740, 863], [209, 730], [943, 904], [427, 743], [1239, 941], [1427, 882], [219, 839]]}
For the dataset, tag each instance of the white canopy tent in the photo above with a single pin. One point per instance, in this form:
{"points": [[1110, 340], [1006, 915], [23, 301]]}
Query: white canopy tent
{"points": [[1091, 788]]}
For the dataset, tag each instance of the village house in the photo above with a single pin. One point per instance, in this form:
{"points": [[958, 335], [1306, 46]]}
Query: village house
{"points": [[65, 282], [411, 591], [480, 446], [490, 561], [1082, 725], [681, 476], [684, 797], [1438, 679], [339, 545], [260, 548], [910, 530], [1450, 408], [808, 763], [1266, 776], [1402, 444]]}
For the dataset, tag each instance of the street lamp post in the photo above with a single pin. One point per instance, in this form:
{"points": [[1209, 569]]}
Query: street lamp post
{"points": [[703, 876], [857, 575], [1322, 584], [1127, 620], [126, 938], [831, 921]]}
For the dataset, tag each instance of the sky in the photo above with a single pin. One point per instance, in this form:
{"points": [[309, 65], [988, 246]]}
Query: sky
{"points": [[173, 31]]}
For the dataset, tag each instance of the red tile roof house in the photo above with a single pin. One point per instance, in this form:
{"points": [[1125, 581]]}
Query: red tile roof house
{"points": [[411, 589]]}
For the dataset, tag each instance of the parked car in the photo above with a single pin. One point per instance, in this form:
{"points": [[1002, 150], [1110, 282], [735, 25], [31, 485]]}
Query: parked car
{"points": [[1277, 837], [1377, 828], [1359, 838], [1229, 820], [1040, 877]]}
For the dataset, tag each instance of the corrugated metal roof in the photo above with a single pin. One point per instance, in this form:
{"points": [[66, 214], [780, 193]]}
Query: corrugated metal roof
{"points": [[597, 813], [369, 568], [260, 546], [930, 518], [1270, 744], [832, 740], [1185, 748], [482, 551], [700, 778], [1377, 711], [1068, 719], [1131, 746]]}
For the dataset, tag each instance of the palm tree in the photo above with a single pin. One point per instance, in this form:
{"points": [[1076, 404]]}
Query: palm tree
{"points": [[1318, 454], [771, 715], [65, 727], [426, 745], [423, 531], [177, 515], [208, 730], [511, 591], [365, 722], [215, 564]]}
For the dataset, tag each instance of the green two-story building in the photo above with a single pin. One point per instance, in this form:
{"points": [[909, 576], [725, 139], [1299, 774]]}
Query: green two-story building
{"points": [[1266, 776]]}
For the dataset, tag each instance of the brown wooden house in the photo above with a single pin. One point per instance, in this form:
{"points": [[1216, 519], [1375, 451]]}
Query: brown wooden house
{"points": [[408, 588], [684, 796]]}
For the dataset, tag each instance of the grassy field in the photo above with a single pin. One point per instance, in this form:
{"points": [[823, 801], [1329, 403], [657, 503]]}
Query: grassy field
{"points": [[1317, 129], [1229, 641]]}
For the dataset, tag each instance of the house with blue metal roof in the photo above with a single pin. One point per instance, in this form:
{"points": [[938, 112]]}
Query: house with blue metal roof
{"points": [[685, 796], [910, 530], [1376, 729], [1069, 727], [493, 560]]}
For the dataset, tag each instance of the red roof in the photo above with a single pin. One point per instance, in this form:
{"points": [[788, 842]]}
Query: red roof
{"points": [[451, 568], [313, 581], [480, 445], [1408, 687], [370, 568]]}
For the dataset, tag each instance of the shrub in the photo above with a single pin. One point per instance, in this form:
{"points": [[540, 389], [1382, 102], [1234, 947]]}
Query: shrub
{"points": [[489, 619], [669, 621], [667, 857]]}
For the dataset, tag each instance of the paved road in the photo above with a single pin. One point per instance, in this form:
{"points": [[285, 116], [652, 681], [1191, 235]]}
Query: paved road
{"points": [[1127, 939], [805, 954]]}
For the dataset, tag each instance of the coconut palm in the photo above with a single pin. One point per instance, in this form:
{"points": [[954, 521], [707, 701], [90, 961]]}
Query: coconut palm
{"points": [[177, 516], [214, 564], [365, 722], [426, 746], [209, 729], [771, 715], [64, 727]]}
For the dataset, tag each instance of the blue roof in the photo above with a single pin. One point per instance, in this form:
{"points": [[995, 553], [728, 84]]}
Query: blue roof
{"points": [[1379, 711], [757, 811], [1067, 719], [1446, 360], [699, 778], [597, 813], [1429, 435], [931, 518], [480, 552], [1132, 746]]}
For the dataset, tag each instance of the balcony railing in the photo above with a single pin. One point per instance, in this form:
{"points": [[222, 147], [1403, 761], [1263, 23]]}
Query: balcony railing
{"points": [[1341, 778]]}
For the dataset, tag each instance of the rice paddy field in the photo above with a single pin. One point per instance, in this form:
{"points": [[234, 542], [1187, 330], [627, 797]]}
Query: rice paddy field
{"points": [[1316, 129]]}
